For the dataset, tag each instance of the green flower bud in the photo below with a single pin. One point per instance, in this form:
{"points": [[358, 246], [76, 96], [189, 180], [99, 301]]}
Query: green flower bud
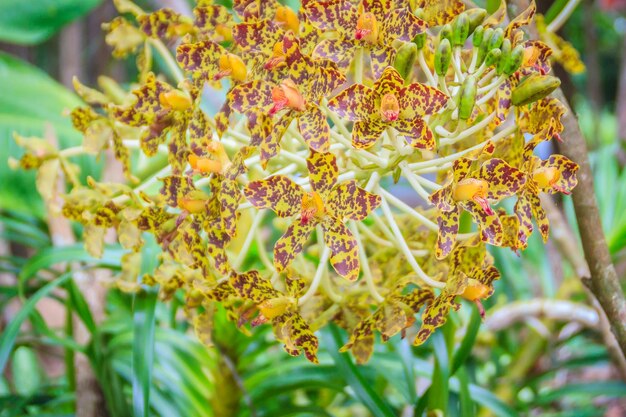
{"points": [[533, 88], [476, 17], [515, 60], [460, 30], [504, 57], [420, 40], [477, 37], [443, 57], [467, 97], [405, 57], [446, 33], [493, 57], [496, 39], [482, 51]]}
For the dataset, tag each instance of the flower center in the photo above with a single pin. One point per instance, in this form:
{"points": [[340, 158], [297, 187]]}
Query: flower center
{"points": [[175, 100], [287, 95], [475, 290], [224, 31], [275, 307], [277, 58], [287, 18], [367, 28], [389, 107], [473, 189], [312, 207], [546, 177], [231, 65]]}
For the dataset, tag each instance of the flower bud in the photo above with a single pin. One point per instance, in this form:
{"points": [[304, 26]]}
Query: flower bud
{"points": [[533, 88], [493, 57], [476, 17], [446, 33], [405, 57], [420, 40], [467, 97], [496, 39], [477, 37], [505, 49], [514, 62], [460, 30], [443, 57]]}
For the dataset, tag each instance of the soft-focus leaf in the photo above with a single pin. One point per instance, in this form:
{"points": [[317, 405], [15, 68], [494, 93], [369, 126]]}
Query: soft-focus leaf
{"points": [[31, 22]]}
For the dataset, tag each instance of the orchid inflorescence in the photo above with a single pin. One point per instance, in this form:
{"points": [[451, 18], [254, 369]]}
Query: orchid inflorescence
{"points": [[325, 110]]}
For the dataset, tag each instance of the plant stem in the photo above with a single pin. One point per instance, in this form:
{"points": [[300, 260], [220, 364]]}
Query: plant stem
{"points": [[563, 15], [404, 247], [367, 273]]}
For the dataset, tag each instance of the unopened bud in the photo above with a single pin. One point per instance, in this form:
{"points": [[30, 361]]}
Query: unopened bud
{"points": [[460, 30], [420, 40], [514, 62], [476, 17], [446, 33], [504, 56], [405, 57], [467, 97], [443, 57], [493, 57], [533, 88], [496, 39], [477, 37]]}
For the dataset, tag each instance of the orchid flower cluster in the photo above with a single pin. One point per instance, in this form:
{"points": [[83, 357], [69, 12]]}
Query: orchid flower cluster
{"points": [[323, 114]]}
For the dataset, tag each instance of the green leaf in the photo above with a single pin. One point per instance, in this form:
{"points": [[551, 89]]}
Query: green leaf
{"points": [[490, 401], [7, 341], [464, 350], [439, 388], [29, 101], [350, 372], [465, 399], [144, 319], [34, 21], [50, 256]]}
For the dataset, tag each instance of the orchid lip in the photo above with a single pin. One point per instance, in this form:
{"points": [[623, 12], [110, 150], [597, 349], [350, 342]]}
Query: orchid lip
{"points": [[222, 74], [484, 203]]}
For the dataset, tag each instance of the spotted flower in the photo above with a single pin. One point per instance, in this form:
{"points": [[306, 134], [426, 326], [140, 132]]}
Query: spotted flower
{"points": [[220, 212], [304, 84], [389, 104], [474, 185], [373, 25], [279, 309], [165, 113], [328, 204], [557, 174], [470, 275], [393, 316]]}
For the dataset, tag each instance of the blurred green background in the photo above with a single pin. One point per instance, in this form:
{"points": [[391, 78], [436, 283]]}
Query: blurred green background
{"points": [[554, 364]]}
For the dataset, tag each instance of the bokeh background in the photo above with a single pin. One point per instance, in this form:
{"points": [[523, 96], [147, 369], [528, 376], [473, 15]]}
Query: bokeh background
{"points": [[542, 351]]}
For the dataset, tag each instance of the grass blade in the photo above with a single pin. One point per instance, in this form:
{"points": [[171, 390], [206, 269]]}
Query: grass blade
{"points": [[370, 399], [7, 340]]}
